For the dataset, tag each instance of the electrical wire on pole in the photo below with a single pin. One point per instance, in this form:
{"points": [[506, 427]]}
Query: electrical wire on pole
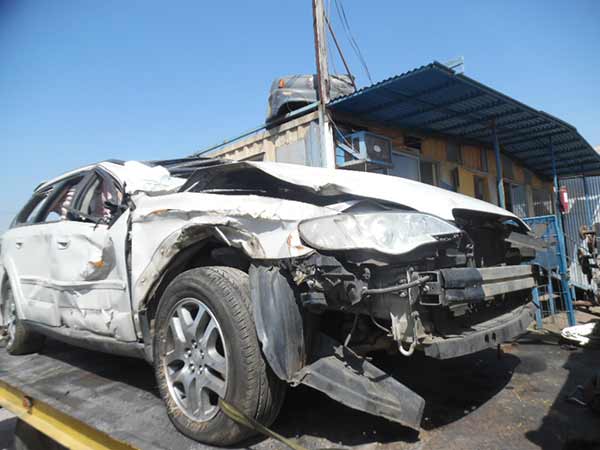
{"points": [[346, 25], [339, 49]]}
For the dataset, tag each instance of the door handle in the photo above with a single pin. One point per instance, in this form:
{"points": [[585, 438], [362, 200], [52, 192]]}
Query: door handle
{"points": [[18, 244], [62, 244]]}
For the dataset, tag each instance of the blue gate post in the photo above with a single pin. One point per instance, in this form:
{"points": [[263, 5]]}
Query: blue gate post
{"points": [[561, 243], [551, 295], [538, 308]]}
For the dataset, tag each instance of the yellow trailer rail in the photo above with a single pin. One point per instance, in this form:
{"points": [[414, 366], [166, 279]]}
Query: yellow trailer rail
{"points": [[86, 400], [66, 430]]}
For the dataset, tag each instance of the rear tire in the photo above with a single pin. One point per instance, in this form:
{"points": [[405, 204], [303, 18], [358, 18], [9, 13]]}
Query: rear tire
{"points": [[194, 370], [20, 340]]}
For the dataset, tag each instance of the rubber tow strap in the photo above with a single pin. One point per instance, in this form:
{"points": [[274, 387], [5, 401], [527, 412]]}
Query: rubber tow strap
{"points": [[237, 416]]}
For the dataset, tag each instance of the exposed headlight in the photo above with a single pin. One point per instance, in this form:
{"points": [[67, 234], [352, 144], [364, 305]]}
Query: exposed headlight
{"points": [[393, 233]]}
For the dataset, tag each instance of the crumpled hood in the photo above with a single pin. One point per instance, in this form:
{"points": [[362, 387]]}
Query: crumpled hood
{"points": [[412, 194]]}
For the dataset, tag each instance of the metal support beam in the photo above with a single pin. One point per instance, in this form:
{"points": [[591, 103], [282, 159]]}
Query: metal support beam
{"points": [[551, 303], [539, 325], [499, 175], [563, 268]]}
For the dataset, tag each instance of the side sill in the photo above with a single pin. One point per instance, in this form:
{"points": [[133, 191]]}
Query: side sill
{"points": [[88, 340]]}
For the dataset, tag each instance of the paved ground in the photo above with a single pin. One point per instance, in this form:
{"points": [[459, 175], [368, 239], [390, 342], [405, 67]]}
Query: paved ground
{"points": [[7, 425], [478, 402]]}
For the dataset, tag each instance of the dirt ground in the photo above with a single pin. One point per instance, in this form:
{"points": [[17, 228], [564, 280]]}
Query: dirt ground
{"points": [[514, 400], [481, 401]]}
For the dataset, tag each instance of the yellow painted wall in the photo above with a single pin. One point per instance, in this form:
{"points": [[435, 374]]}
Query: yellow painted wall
{"points": [[466, 184], [433, 149], [491, 160]]}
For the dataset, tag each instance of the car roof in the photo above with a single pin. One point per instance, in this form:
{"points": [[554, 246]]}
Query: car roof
{"points": [[132, 175]]}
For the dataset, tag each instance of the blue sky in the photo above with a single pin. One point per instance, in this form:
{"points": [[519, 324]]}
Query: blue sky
{"points": [[82, 81]]}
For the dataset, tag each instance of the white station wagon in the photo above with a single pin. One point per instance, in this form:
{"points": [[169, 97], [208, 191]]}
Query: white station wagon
{"points": [[235, 279]]}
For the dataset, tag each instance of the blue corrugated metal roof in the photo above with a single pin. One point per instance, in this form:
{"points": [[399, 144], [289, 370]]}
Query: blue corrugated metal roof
{"points": [[434, 99]]}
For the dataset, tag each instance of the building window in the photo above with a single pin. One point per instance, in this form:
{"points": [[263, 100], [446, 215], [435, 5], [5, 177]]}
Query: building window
{"points": [[455, 179], [473, 158], [404, 166], [484, 161], [507, 167], [413, 142], [448, 178], [480, 188], [542, 202], [520, 205], [508, 196], [453, 152], [429, 173]]}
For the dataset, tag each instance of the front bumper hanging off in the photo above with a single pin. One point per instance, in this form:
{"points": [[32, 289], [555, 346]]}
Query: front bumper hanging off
{"points": [[471, 285], [483, 335]]}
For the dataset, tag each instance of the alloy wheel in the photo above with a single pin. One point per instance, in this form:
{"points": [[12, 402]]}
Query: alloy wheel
{"points": [[195, 359]]}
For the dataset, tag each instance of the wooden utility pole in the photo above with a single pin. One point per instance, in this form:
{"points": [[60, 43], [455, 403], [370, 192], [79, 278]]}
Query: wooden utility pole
{"points": [[323, 83]]}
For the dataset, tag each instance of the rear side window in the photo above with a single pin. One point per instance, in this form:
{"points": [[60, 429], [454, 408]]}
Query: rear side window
{"points": [[32, 208], [58, 205], [50, 205]]}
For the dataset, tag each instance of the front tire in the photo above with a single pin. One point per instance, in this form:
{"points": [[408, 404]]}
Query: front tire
{"points": [[20, 340], [206, 348]]}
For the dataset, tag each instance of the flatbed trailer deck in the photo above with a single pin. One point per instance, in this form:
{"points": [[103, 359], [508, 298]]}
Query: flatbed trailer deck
{"points": [[481, 401], [75, 392]]}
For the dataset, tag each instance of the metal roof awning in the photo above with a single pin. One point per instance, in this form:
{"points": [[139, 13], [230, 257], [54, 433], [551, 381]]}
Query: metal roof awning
{"points": [[434, 99]]}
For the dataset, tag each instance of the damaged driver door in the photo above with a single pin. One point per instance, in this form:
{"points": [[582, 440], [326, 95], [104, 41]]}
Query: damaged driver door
{"points": [[88, 267]]}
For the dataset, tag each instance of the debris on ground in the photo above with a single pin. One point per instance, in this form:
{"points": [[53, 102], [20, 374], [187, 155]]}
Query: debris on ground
{"points": [[586, 335]]}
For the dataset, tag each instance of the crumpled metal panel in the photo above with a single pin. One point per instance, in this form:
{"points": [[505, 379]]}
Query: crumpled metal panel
{"points": [[264, 228], [355, 382]]}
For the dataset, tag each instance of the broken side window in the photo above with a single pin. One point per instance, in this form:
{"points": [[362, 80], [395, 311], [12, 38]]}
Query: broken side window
{"points": [[59, 202], [97, 199]]}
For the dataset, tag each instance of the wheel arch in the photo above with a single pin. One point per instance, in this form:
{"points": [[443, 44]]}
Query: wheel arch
{"points": [[184, 249], [6, 282]]}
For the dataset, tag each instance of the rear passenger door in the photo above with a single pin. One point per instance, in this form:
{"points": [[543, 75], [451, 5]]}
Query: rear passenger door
{"points": [[25, 252], [87, 250]]}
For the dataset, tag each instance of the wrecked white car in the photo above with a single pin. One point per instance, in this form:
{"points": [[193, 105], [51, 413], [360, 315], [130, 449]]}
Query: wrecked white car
{"points": [[236, 278]]}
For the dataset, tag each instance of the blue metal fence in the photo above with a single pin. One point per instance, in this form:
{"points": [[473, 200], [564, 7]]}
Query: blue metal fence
{"points": [[554, 260]]}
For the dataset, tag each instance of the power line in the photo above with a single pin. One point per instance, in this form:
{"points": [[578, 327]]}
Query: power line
{"points": [[346, 25], [339, 49]]}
